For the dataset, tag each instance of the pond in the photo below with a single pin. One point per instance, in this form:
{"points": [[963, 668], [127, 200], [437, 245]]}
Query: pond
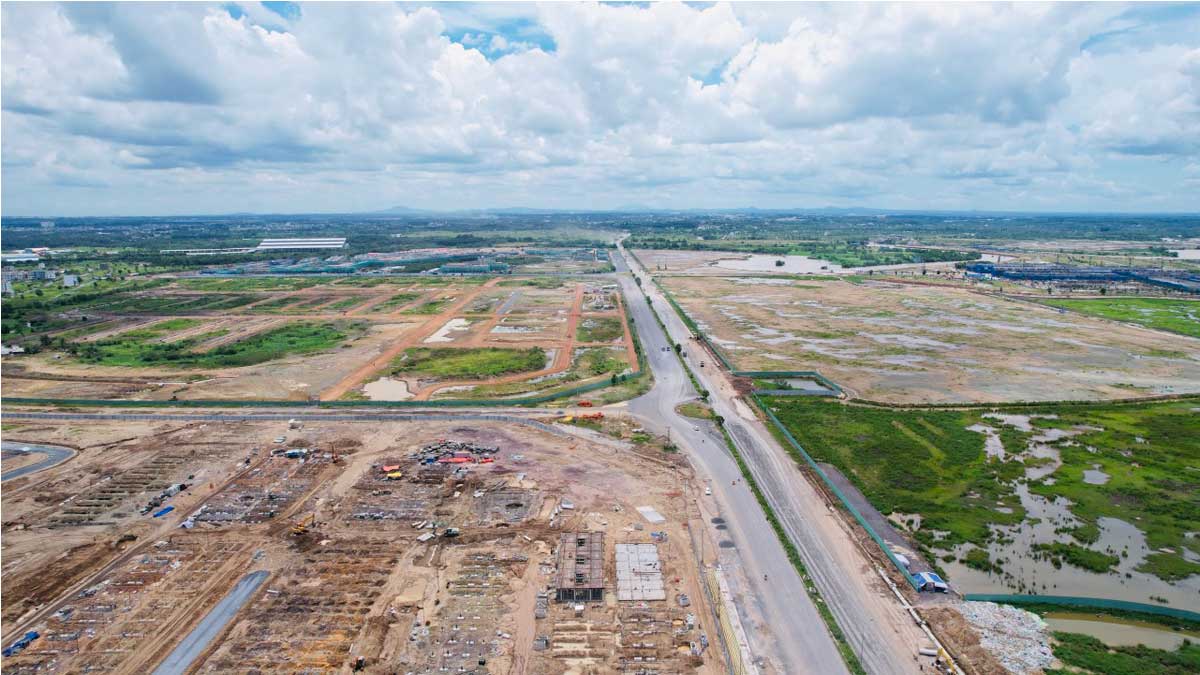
{"points": [[1116, 632], [792, 264]]}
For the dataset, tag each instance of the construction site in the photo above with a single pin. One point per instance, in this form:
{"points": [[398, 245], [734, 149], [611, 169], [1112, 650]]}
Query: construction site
{"points": [[337, 546]]}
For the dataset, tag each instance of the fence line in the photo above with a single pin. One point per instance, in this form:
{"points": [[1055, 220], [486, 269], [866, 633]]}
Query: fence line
{"points": [[1091, 603], [812, 463]]}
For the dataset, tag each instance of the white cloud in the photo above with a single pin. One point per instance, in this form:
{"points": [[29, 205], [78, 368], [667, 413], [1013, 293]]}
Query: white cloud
{"points": [[134, 109]]}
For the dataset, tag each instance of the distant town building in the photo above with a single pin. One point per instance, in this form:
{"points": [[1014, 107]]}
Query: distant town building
{"points": [[8, 288], [70, 281], [47, 224], [11, 274], [5, 350], [45, 275], [300, 244]]}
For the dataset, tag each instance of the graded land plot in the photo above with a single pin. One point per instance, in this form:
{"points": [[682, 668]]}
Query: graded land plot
{"points": [[419, 547], [1177, 316], [1092, 500], [903, 343], [507, 339]]}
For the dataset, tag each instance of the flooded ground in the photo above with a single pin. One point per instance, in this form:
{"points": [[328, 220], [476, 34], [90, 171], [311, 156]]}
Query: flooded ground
{"points": [[919, 344], [1119, 632]]}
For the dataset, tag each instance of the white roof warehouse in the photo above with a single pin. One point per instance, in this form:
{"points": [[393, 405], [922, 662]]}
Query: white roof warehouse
{"points": [[296, 244]]}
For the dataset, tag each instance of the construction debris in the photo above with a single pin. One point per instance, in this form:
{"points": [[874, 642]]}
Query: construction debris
{"points": [[1017, 638]]}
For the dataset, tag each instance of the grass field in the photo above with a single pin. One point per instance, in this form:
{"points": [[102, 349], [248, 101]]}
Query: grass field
{"points": [[1178, 316], [480, 363], [599, 329], [394, 302], [431, 307], [248, 283], [136, 348], [1136, 463]]}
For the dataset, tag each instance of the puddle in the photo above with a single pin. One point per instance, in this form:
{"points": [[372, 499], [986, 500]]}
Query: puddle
{"points": [[1095, 476], [387, 389], [443, 333], [910, 341], [1119, 632], [1019, 422], [792, 264], [992, 445], [760, 281]]}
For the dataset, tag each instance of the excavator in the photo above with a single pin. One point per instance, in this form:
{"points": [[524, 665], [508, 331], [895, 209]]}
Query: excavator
{"points": [[301, 526]]}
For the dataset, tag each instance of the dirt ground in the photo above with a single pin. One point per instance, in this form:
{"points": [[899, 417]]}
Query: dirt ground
{"points": [[374, 573], [906, 343]]}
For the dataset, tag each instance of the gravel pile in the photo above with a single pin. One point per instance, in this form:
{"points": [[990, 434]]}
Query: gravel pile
{"points": [[1019, 639]]}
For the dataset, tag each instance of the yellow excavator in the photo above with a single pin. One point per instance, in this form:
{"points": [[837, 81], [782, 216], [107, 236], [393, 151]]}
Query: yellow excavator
{"points": [[301, 526]]}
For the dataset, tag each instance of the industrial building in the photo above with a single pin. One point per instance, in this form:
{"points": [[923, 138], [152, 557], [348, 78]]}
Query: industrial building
{"points": [[300, 244], [24, 256], [580, 576], [1178, 280]]}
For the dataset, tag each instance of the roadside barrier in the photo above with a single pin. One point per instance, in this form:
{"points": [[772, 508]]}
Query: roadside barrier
{"points": [[812, 463]]}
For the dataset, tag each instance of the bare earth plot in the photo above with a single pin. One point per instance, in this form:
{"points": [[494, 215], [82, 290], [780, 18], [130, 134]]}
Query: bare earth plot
{"points": [[922, 344], [374, 572]]}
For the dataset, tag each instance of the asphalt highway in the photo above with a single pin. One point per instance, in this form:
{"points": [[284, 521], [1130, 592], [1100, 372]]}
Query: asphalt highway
{"points": [[791, 634], [884, 640]]}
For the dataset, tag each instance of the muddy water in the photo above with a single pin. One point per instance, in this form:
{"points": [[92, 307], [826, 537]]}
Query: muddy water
{"points": [[1119, 632], [1041, 577], [387, 389], [792, 264]]}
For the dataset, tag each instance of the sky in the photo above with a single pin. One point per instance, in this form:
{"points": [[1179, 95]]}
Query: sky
{"points": [[194, 108]]}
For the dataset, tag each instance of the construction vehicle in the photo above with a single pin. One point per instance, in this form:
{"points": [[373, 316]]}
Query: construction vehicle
{"points": [[585, 404], [592, 416], [301, 526]]}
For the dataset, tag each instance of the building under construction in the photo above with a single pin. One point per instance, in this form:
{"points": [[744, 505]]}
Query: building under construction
{"points": [[580, 576]]}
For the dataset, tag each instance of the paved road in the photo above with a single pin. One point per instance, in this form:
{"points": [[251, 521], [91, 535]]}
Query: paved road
{"points": [[875, 625], [790, 633], [54, 456], [192, 646]]}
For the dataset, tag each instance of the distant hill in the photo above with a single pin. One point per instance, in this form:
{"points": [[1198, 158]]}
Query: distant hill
{"points": [[403, 210]]}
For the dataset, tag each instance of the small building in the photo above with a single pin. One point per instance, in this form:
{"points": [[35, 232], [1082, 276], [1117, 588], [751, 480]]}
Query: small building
{"points": [[70, 281], [580, 576], [931, 582]]}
